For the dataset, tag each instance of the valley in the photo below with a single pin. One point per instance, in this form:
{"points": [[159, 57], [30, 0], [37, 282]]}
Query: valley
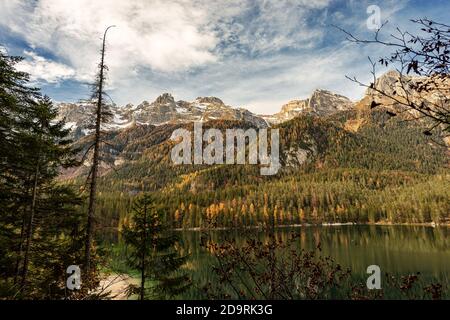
{"points": [[224, 151], [341, 163]]}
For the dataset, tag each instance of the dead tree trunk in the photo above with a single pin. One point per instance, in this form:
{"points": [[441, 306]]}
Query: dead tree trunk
{"points": [[29, 232], [99, 87], [144, 248], [22, 240]]}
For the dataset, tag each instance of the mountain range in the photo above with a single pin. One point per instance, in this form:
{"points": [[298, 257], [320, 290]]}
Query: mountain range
{"points": [[165, 110], [342, 161]]}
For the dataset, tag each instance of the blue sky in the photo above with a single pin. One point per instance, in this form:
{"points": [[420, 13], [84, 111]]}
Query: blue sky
{"points": [[252, 54]]}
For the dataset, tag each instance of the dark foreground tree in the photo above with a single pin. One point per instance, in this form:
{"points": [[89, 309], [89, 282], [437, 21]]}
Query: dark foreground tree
{"points": [[422, 60], [44, 150], [39, 223], [154, 253], [15, 98]]}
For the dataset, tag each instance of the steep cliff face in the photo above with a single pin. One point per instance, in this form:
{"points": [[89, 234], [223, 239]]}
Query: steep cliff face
{"points": [[402, 89], [321, 102]]}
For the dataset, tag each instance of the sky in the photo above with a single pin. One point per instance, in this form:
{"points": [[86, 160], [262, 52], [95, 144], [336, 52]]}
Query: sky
{"points": [[256, 54]]}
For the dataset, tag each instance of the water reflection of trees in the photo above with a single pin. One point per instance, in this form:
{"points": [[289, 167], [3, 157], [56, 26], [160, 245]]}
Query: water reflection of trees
{"points": [[407, 238], [397, 250]]}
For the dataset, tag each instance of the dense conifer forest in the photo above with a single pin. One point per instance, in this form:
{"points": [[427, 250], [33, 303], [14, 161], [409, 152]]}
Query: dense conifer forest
{"points": [[387, 171]]}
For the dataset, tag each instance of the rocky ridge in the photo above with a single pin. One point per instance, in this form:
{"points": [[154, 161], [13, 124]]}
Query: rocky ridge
{"points": [[321, 103], [164, 110]]}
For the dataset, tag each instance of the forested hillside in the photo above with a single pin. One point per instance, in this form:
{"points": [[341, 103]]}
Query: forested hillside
{"points": [[361, 166]]}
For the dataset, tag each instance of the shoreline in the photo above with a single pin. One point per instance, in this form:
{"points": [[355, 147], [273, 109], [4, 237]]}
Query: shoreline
{"points": [[325, 224], [115, 285]]}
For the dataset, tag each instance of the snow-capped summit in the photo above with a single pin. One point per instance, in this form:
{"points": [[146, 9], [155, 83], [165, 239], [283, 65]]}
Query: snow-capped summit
{"points": [[161, 111]]}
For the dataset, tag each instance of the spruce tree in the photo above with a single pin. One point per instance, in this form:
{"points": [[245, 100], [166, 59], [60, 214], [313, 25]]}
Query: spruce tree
{"points": [[153, 252], [39, 221], [45, 150], [15, 98]]}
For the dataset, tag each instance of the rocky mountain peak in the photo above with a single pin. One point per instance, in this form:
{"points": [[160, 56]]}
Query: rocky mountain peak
{"points": [[322, 93], [394, 91], [210, 100], [163, 110], [388, 82], [322, 102], [165, 98]]}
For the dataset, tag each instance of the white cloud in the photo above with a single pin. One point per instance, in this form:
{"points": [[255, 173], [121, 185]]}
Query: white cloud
{"points": [[166, 36], [265, 26], [265, 84], [42, 69], [255, 54], [163, 35]]}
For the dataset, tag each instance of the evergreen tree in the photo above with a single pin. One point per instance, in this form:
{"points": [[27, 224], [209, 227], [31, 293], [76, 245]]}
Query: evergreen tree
{"points": [[15, 99], [45, 150], [39, 221], [153, 252]]}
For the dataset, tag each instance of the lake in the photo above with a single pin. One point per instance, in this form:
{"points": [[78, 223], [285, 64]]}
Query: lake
{"points": [[398, 250]]}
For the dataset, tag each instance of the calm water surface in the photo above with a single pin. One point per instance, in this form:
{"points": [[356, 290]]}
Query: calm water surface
{"points": [[397, 250]]}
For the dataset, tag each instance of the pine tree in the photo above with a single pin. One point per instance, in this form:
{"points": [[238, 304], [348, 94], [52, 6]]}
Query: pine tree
{"points": [[39, 221], [15, 98], [45, 150], [153, 252]]}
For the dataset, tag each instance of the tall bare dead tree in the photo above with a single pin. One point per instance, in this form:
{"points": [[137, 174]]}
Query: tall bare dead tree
{"points": [[30, 223], [422, 60], [102, 114]]}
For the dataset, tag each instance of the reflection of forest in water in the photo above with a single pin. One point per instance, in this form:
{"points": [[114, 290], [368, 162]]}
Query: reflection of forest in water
{"points": [[396, 249], [393, 248]]}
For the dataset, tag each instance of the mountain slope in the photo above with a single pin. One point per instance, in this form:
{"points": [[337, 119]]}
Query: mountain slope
{"points": [[340, 175], [341, 162]]}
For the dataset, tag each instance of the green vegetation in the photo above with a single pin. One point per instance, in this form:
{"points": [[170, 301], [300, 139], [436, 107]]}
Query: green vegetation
{"points": [[153, 253], [363, 166], [276, 268], [385, 172], [40, 226]]}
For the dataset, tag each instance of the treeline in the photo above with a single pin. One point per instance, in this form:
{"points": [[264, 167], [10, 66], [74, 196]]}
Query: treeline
{"points": [[326, 196]]}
